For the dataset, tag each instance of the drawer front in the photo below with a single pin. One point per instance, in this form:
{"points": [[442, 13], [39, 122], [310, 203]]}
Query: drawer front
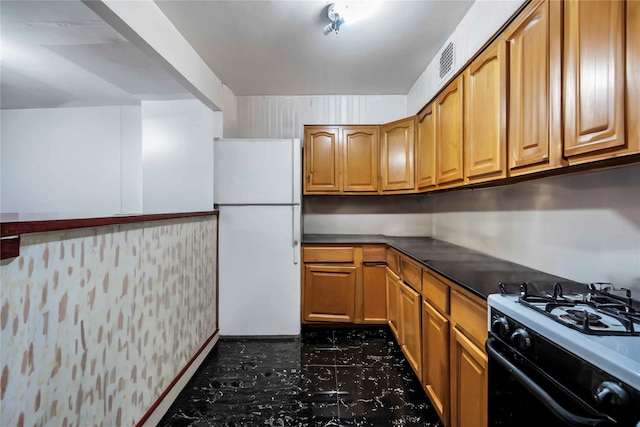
{"points": [[436, 292], [411, 274], [469, 316], [393, 262], [373, 253], [328, 254]]}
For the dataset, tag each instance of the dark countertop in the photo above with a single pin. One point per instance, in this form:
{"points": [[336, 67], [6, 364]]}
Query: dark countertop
{"points": [[477, 272]]}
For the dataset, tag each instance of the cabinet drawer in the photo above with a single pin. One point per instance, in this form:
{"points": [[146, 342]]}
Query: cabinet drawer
{"points": [[393, 262], [469, 316], [373, 253], [436, 292], [328, 254], [411, 274]]}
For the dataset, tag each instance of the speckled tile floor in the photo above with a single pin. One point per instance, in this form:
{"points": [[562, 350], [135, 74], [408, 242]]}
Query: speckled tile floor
{"points": [[328, 377]]}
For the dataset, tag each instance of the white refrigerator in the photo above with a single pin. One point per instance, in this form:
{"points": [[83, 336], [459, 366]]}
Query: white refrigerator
{"points": [[257, 189]]}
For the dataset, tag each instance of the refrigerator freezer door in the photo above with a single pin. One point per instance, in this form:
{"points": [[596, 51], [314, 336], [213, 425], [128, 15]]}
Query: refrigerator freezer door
{"points": [[259, 281], [251, 171]]}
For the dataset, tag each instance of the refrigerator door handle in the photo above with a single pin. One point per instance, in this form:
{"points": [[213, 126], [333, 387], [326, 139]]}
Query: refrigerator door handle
{"points": [[295, 225]]}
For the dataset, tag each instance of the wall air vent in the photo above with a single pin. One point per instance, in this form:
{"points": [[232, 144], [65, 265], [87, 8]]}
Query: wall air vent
{"points": [[446, 61]]}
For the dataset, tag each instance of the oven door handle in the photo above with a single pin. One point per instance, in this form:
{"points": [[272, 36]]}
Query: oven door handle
{"points": [[567, 417]]}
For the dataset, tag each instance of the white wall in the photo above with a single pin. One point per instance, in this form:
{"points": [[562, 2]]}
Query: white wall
{"points": [[82, 160], [482, 21], [285, 116], [584, 227], [177, 153]]}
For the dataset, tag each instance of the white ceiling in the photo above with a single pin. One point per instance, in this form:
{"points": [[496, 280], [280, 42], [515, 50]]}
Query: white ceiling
{"points": [[274, 47], [61, 54]]}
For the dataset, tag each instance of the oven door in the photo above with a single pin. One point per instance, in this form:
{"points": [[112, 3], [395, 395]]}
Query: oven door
{"points": [[522, 395]]}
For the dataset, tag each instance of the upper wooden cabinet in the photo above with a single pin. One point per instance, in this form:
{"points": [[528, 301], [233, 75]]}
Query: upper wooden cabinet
{"points": [[426, 149], [396, 155], [533, 45], [633, 76], [594, 79], [321, 159], [485, 118], [449, 134], [341, 159], [360, 159]]}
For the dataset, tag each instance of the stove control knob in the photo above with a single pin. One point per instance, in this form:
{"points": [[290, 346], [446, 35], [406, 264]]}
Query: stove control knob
{"points": [[521, 339], [612, 394], [500, 326]]}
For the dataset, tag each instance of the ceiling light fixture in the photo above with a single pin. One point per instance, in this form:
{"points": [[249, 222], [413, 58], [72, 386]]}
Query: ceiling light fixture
{"points": [[341, 13], [336, 16]]}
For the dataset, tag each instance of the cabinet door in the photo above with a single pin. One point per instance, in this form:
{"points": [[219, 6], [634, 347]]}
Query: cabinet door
{"points": [[449, 133], [410, 311], [329, 293], [396, 155], [533, 44], [426, 149], [485, 138], [593, 79], [435, 359], [374, 294], [321, 159], [393, 303], [468, 382], [360, 159], [633, 75]]}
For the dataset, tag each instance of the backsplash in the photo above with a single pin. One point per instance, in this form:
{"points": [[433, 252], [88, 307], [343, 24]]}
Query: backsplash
{"points": [[585, 227], [96, 323]]}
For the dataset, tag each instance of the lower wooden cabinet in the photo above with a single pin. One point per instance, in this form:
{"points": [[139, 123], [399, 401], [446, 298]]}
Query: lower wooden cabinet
{"points": [[435, 359], [411, 339], [374, 294], [468, 382], [393, 296], [329, 293], [344, 284]]}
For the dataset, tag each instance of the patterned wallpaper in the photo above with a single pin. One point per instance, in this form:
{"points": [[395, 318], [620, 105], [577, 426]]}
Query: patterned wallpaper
{"points": [[96, 323]]}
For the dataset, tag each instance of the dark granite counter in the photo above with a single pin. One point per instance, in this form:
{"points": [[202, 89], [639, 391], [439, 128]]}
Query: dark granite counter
{"points": [[477, 272]]}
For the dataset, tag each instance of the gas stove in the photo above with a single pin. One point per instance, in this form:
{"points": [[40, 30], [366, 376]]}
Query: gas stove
{"points": [[583, 339], [590, 321]]}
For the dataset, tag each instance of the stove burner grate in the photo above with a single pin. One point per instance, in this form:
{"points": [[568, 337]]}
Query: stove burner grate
{"points": [[621, 317]]}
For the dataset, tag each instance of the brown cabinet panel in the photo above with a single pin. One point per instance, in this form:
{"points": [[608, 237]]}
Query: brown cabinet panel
{"points": [[411, 274], [329, 293], [468, 382], [435, 359], [533, 43], [374, 295], [374, 253], [633, 76], [485, 138], [410, 310], [396, 155], [469, 316], [593, 78], [328, 254], [435, 291], [393, 261], [393, 307], [449, 135], [426, 149], [360, 159], [322, 156]]}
